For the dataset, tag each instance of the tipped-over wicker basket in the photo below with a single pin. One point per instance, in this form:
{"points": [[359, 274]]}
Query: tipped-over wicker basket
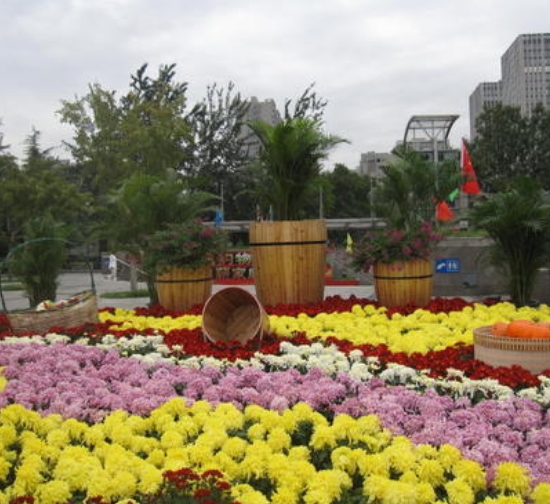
{"points": [[80, 309], [531, 354]]}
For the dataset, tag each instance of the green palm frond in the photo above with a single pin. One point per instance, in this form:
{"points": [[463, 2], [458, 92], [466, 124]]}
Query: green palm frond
{"points": [[291, 158]]}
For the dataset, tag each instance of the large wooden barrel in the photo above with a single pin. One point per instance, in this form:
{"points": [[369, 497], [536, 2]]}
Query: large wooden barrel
{"points": [[404, 283], [181, 288], [289, 261]]}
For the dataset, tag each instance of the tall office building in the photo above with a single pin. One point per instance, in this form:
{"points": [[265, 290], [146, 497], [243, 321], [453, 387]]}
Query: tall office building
{"points": [[485, 94], [525, 68], [525, 78]]}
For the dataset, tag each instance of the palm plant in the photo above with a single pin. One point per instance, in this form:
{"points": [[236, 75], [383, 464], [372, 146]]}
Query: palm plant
{"points": [[145, 204], [411, 188], [518, 221], [291, 161], [38, 261]]}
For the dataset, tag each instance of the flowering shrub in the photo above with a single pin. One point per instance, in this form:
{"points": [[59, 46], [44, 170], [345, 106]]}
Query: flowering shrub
{"points": [[185, 486], [186, 244], [392, 245]]}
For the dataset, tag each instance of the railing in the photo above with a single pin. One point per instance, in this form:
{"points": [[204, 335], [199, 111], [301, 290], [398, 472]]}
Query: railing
{"points": [[341, 224]]}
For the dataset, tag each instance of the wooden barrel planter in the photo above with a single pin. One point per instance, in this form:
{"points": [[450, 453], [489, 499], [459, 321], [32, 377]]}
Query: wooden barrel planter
{"points": [[233, 314], [529, 353], [404, 283], [182, 288], [289, 261]]}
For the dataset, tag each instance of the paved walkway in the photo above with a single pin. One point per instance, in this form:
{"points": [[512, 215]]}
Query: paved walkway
{"points": [[73, 283]]}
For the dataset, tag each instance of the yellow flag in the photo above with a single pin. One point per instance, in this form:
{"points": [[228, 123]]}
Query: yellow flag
{"points": [[349, 244]]}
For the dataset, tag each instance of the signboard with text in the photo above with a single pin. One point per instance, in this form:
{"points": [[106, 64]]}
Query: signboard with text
{"points": [[447, 265]]}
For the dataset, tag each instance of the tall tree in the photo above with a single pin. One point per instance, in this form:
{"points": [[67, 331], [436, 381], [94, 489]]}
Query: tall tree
{"points": [[537, 156], [350, 193], [307, 106], [37, 188], [144, 131], [216, 154], [509, 145]]}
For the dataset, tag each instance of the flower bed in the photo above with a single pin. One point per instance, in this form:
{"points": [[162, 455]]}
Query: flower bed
{"points": [[343, 402]]}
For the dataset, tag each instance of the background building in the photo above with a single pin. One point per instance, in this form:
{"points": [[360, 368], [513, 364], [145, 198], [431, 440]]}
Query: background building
{"points": [[266, 111], [525, 78], [485, 94], [371, 163], [429, 135]]}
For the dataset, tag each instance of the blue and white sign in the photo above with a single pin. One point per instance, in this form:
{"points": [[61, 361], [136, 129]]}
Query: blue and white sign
{"points": [[447, 266]]}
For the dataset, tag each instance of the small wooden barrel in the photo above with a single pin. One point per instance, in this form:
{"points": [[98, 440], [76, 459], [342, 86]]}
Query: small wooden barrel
{"points": [[289, 261], [403, 283], [182, 288], [531, 354], [233, 314]]}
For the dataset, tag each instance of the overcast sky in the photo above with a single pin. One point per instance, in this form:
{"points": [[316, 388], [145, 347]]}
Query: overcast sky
{"points": [[377, 62]]}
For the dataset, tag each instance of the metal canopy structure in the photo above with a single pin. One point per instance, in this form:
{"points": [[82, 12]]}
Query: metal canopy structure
{"points": [[434, 127]]}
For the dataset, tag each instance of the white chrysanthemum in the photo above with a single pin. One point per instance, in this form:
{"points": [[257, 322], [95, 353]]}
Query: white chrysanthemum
{"points": [[360, 372]]}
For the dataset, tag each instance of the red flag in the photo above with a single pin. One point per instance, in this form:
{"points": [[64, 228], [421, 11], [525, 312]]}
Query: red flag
{"points": [[471, 186], [444, 211]]}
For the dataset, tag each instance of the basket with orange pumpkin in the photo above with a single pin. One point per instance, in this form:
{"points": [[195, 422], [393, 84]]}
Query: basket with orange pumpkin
{"points": [[520, 342]]}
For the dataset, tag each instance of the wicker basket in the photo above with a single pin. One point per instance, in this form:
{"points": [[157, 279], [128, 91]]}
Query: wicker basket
{"points": [[531, 354], [81, 310]]}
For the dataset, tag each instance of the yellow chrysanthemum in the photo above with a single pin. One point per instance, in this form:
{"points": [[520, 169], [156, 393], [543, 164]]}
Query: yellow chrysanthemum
{"points": [[3, 380], [511, 477], [541, 493], [448, 456], [373, 464], [345, 459], [278, 439], [472, 473], [29, 474], [285, 495], [431, 471], [256, 432], [8, 435], [235, 447], [323, 437], [53, 492], [171, 439], [326, 486], [248, 495], [400, 454], [76, 466], [459, 492]]}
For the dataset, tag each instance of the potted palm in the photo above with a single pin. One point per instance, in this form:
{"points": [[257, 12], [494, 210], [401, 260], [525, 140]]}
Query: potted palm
{"points": [[289, 254], [145, 204], [518, 221], [180, 257], [400, 254]]}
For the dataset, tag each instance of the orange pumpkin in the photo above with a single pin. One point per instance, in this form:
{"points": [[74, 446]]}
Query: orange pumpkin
{"points": [[499, 328], [519, 328], [527, 329], [540, 332]]}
